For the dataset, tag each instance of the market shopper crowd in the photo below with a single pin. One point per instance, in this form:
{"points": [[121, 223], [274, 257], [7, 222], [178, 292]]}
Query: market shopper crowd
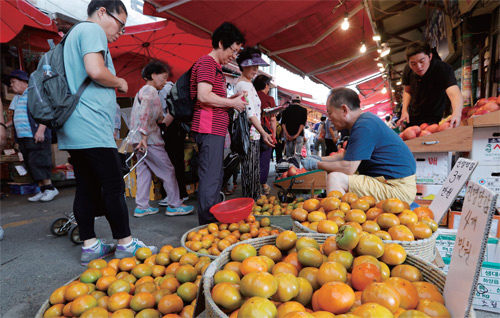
{"points": [[369, 165]]}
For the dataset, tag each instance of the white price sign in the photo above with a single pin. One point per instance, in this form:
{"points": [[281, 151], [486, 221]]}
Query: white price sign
{"points": [[468, 253], [455, 181]]}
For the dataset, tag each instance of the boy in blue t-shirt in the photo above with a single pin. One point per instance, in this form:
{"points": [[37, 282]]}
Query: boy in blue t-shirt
{"points": [[385, 164]]}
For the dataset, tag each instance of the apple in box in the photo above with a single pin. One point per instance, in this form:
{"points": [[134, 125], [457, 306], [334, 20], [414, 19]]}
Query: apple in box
{"points": [[292, 171]]}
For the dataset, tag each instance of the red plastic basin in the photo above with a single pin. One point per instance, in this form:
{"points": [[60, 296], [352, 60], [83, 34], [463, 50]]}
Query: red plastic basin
{"points": [[232, 211]]}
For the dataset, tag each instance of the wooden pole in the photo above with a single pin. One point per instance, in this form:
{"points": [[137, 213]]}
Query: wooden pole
{"points": [[467, 63]]}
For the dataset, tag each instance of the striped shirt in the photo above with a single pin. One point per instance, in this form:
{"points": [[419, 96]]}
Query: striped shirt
{"points": [[19, 105], [206, 118]]}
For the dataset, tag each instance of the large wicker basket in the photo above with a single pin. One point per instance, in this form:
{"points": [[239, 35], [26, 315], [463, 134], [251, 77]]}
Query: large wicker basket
{"points": [[212, 257], [46, 304], [429, 271], [424, 249]]}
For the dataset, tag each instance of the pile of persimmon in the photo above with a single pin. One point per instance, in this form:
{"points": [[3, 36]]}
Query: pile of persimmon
{"points": [[214, 238], [273, 206], [147, 285], [298, 278], [389, 219]]}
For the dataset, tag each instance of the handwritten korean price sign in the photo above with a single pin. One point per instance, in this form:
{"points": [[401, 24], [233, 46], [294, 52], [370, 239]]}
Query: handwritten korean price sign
{"points": [[468, 253], [456, 180]]}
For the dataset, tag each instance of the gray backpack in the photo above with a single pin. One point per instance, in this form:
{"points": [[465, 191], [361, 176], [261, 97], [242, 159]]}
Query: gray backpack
{"points": [[50, 101]]}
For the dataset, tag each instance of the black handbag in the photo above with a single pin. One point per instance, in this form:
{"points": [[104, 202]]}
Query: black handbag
{"points": [[262, 144], [240, 137]]}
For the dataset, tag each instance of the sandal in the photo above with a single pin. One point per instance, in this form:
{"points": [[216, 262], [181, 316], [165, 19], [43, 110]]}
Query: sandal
{"points": [[266, 189]]}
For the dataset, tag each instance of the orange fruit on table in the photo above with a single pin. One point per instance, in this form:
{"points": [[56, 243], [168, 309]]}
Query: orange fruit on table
{"points": [[310, 257], [343, 257], [126, 264], [118, 286], [433, 308], [370, 310], [54, 311], [96, 312], [430, 222], [311, 275], [335, 297], [170, 283], [370, 226], [146, 287], [189, 259], [170, 304], [305, 291], [373, 213], [428, 291], [382, 294], [331, 272], [420, 230], [242, 251], [177, 252], [97, 263], [394, 254], [286, 240], [360, 204], [299, 214], [272, 252], [172, 268], [335, 194], [349, 197], [253, 264], [407, 291], [387, 220], [119, 301], [407, 216], [286, 267], [371, 200], [141, 270], [74, 290], [260, 284], [227, 296], [344, 207], [142, 253], [258, 307], [329, 245], [401, 233], [186, 273], [234, 266], [365, 274], [355, 215], [311, 205], [187, 291], [384, 235], [424, 211], [330, 203], [226, 276], [393, 205], [408, 272], [57, 296], [82, 304], [290, 306], [328, 227]]}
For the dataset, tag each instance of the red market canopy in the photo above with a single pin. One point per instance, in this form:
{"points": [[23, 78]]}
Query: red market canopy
{"points": [[302, 36], [25, 26], [158, 40]]}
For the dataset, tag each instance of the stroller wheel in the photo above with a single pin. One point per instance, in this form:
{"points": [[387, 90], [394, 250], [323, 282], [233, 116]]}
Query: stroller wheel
{"points": [[222, 196], [74, 235], [59, 227]]}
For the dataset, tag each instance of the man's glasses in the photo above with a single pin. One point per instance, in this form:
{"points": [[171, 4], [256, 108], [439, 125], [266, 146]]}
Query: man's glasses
{"points": [[122, 25]]}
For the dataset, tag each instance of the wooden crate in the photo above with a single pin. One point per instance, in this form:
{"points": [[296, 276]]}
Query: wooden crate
{"points": [[311, 180]]}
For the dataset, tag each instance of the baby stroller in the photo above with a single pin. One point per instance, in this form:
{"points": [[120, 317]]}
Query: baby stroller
{"points": [[68, 224]]}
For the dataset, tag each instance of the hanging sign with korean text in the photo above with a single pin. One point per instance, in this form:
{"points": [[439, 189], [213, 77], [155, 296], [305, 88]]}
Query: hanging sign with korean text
{"points": [[468, 253]]}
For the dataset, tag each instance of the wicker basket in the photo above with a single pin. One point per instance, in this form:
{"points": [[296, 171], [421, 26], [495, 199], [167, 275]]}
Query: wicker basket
{"points": [[284, 221], [429, 271], [425, 249], [46, 304], [212, 257]]}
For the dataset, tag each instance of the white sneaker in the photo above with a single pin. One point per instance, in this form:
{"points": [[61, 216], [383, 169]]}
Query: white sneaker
{"points": [[163, 202], [36, 197], [48, 195]]}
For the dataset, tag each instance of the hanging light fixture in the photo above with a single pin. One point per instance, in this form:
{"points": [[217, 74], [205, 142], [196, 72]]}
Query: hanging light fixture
{"points": [[384, 90], [385, 50], [345, 25], [376, 37], [398, 83], [380, 64], [362, 49]]}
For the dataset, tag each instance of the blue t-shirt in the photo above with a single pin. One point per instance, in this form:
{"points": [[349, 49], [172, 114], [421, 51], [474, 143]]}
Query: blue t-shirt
{"points": [[91, 124], [21, 121], [381, 151]]}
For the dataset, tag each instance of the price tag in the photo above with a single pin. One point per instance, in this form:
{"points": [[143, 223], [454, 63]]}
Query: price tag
{"points": [[468, 252], [455, 181]]}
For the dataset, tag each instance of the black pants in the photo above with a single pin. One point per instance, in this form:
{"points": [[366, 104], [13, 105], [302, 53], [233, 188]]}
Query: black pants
{"points": [[210, 172], [174, 137], [330, 146], [37, 157], [99, 189], [279, 150]]}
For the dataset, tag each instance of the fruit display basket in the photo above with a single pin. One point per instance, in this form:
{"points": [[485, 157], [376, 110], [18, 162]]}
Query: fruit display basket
{"points": [[430, 272], [212, 257], [46, 304], [424, 248], [284, 221]]}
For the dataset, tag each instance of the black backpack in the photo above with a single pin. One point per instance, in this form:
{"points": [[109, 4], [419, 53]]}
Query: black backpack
{"points": [[50, 101], [179, 102]]}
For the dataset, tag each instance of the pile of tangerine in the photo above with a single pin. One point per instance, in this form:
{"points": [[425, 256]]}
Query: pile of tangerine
{"points": [[214, 238], [145, 286], [389, 219]]}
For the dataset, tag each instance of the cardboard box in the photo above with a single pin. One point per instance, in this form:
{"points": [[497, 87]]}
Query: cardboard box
{"points": [[59, 157], [489, 177], [23, 188], [454, 221], [487, 294], [486, 146], [432, 167]]}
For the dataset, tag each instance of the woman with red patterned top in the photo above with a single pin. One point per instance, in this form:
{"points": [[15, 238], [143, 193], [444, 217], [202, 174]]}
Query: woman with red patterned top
{"points": [[210, 117]]}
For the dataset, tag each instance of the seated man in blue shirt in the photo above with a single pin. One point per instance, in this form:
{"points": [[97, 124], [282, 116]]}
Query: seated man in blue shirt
{"points": [[385, 165]]}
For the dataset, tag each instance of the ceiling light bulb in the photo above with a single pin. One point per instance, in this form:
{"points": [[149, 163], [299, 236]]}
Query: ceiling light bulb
{"points": [[380, 64], [376, 37], [379, 51], [345, 24], [362, 49], [385, 52], [384, 90], [398, 83], [381, 69]]}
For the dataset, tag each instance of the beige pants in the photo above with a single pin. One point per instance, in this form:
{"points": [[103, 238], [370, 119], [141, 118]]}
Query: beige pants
{"points": [[404, 189]]}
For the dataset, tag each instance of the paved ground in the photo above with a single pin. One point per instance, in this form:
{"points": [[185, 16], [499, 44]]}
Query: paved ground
{"points": [[34, 262]]}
